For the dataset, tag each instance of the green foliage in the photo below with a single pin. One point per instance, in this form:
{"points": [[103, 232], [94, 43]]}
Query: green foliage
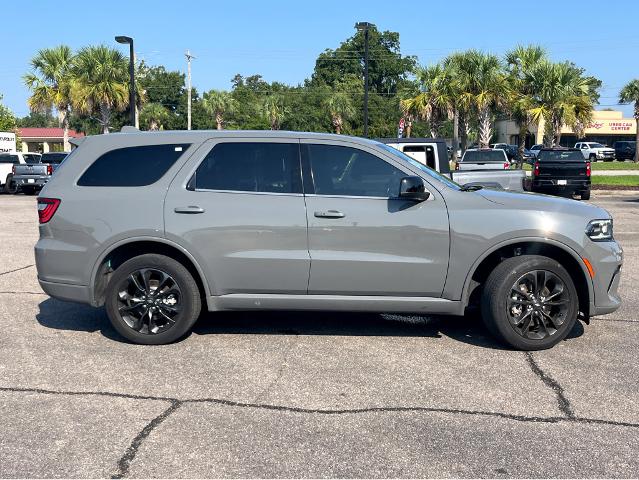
{"points": [[36, 119], [7, 119], [218, 104], [153, 116]]}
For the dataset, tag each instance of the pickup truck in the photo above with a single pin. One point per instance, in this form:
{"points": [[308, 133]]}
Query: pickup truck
{"points": [[7, 162], [596, 151], [561, 170], [432, 153], [30, 178]]}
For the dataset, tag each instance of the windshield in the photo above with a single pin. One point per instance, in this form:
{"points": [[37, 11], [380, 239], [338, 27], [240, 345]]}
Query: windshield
{"points": [[596, 145], [53, 157], [483, 156], [428, 171], [560, 156]]}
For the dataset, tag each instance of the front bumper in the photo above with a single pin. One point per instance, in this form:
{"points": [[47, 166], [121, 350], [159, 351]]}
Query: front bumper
{"points": [[605, 155], [607, 260]]}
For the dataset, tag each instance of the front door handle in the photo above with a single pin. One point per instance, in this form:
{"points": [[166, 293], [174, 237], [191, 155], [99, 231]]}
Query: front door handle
{"points": [[330, 214], [191, 209]]}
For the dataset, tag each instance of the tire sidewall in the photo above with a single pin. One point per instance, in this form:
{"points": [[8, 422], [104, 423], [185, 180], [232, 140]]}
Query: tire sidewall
{"points": [[190, 299], [497, 307]]}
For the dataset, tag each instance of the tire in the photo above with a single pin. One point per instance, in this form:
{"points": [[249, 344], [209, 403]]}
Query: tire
{"points": [[499, 300], [179, 300], [10, 186], [593, 157], [585, 195]]}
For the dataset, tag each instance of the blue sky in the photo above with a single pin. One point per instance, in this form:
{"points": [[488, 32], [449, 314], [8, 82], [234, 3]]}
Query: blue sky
{"points": [[281, 39]]}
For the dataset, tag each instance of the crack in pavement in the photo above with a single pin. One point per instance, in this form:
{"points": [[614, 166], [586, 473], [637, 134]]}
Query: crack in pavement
{"points": [[17, 269], [280, 371], [124, 463], [562, 400]]}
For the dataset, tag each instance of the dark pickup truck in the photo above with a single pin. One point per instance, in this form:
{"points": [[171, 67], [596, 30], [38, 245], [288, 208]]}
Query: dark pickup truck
{"points": [[561, 171]]}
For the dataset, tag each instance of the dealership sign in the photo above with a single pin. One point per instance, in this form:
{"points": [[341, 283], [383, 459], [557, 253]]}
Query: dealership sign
{"points": [[7, 142], [611, 126]]}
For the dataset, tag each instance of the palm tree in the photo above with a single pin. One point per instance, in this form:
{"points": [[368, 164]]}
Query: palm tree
{"points": [[153, 115], [484, 89], [340, 108], [562, 95], [433, 102], [630, 94], [101, 82], [275, 111], [218, 103], [519, 62], [50, 85]]}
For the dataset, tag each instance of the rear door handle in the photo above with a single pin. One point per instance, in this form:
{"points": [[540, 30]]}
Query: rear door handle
{"points": [[330, 214], [190, 209]]}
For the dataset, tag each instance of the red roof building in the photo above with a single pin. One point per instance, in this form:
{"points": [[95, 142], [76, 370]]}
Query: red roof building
{"points": [[45, 139]]}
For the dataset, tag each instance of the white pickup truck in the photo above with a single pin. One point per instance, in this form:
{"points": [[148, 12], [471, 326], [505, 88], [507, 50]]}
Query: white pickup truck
{"points": [[594, 151], [7, 163], [433, 154]]}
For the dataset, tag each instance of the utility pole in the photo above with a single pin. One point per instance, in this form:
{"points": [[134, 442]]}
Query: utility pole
{"points": [[364, 27], [132, 104], [188, 86]]}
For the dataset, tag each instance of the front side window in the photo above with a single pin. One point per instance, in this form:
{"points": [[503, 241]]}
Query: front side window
{"points": [[250, 167], [132, 166], [347, 171]]}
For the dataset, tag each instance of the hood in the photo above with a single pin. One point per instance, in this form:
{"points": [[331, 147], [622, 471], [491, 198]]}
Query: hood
{"points": [[543, 203]]}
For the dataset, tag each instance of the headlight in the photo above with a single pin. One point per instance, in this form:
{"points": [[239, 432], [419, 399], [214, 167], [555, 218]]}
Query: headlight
{"points": [[600, 230]]}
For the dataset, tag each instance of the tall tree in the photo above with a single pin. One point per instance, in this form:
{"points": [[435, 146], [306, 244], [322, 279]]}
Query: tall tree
{"points": [[7, 119], [563, 95], [275, 110], [339, 106], [153, 116], [218, 103], [50, 85], [519, 62], [630, 94], [101, 82]]}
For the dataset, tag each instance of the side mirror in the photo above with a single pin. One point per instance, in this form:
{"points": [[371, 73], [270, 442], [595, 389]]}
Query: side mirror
{"points": [[413, 188]]}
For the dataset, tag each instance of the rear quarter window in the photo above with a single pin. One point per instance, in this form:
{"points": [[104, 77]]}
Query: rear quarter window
{"points": [[132, 166], [566, 156], [484, 156]]}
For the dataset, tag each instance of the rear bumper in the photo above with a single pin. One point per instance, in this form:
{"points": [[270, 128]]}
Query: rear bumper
{"points": [[553, 184], [30, 181], [66, 291]]}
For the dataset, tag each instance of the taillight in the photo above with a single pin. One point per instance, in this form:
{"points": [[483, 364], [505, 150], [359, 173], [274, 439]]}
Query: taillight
{"points": [[536, 170], [456, 165], [506, 165], [49, 169], [587, 169], [13, 170], [47, 208]]}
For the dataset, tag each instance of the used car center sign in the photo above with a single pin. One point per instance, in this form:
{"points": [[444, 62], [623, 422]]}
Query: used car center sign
{"points": [[7, 142], [611, 126]]}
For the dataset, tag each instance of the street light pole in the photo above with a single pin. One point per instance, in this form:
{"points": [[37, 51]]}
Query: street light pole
{"points": [[365, 26], [188, 86], [128, 40]]}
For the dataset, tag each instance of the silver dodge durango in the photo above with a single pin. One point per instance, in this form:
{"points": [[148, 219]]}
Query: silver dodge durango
{"points": [[156, 226]]}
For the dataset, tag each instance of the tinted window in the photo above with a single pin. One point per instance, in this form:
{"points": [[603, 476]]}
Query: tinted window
{"points": [[560, 156], [31, 158], [53, 157], [351, 172], [9, 159], [251, 167], [132, 166], [484, 156]]}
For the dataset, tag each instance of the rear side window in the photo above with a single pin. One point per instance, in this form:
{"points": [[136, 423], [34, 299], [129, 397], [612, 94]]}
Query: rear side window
{"points": [[9, 159], [427, 151], [250, 167], [132, 166]]}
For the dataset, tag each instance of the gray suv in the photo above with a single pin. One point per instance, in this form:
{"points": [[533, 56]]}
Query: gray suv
{"points": [[156, 226]]}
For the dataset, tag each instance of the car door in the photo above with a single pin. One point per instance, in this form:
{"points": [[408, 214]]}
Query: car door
{"points": [[362, 239], [237, 206]]}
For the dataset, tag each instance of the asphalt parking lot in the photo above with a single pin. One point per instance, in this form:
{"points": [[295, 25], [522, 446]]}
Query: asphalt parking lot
{"points": [[310, 395]]}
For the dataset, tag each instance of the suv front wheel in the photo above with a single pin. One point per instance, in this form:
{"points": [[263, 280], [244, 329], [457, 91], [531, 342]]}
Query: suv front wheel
{"points": [[152, 300], [530, 302]]}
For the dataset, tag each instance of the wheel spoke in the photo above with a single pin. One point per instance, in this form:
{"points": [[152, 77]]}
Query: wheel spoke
{"points": [[136, 283], [166, 316]]}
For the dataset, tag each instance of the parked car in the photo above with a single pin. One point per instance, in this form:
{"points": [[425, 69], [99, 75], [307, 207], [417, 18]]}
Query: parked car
{"points": [[155, 225], [561, 170], [512, 151], [7, 163], [625, 150], [430, 152], [534, 150], [30, 178], [595, 151]]}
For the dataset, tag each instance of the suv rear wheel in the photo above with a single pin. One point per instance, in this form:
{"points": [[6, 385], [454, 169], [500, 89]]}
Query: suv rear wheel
{"points": [[152, 299], [530, 302]]}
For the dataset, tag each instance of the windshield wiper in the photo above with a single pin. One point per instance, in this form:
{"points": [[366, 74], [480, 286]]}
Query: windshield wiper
{"points": [[471, 188]]}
